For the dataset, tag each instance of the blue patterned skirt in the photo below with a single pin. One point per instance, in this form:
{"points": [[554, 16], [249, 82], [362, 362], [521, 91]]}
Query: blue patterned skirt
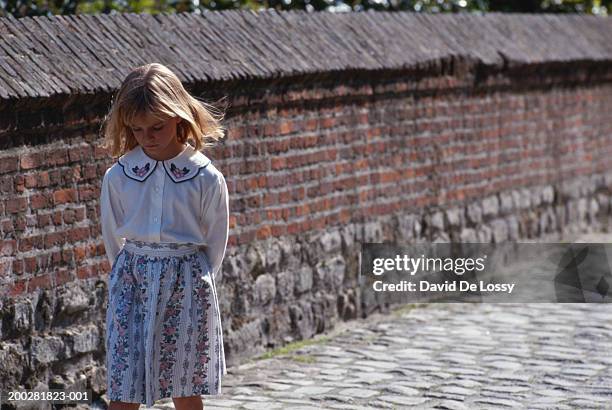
{"points": [[163, 327]]}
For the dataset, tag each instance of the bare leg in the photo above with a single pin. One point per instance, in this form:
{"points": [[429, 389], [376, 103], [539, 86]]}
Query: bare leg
{"points": [[188, 403], [120, 405]]}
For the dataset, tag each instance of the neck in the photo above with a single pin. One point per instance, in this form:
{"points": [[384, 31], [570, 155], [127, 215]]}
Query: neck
{"points": [[171, 153]]}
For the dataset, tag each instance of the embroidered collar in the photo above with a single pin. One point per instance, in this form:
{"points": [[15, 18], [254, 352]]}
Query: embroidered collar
{"points": [[138, 165]]}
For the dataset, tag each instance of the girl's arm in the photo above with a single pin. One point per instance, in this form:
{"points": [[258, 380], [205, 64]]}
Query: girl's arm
{"points": [[110, 215], [215, 223]]}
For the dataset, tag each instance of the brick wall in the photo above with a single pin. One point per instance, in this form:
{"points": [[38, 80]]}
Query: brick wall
{"points": [[316, 164]]}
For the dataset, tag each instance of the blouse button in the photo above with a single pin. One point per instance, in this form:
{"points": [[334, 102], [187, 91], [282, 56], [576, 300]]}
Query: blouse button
{"points": [[156, 188], [155, 219]]}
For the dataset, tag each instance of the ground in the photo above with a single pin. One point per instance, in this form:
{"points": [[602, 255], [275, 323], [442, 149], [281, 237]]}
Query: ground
{"points": [[447, 356]]}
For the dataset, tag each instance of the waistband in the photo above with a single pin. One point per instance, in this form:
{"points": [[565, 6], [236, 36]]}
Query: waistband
{"points": [[160, 248]]}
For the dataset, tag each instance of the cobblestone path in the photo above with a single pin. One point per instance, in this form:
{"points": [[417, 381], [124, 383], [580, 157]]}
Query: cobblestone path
{"points": [[446, 356]]}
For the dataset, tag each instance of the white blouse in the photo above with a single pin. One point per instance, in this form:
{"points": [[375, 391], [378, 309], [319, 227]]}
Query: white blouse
{"points": [[182, 200]]}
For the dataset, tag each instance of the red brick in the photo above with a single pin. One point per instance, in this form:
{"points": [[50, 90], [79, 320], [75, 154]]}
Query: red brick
{"points": [[44, 262], [19, 183], [43, 179], [83, 152], [87, 271], [8, 247], [278, 230], [29, 243], [29, 264], [54, 239], [7, 226], [232, 221], [18, 288], [246, 237], [87, 193], [56, 257], [57, 218], [9, 164], [271, 129], [62, 276], [278, 163], [78, 234], [39, 282], [285, 127], [232, 241], [80, 213], [55, 176], [99, 250], [44, 220], [31, 180], [100, 152], [263, 232], [89, 171], [58, 156], [31, 160], [311, 124], [105, 266], [18, 266], [6, 184], [63, 196], [39, 201], [15, 205], [69, 216]]}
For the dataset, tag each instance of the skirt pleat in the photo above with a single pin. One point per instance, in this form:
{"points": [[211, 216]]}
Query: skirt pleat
{"points": [[163, 325]]}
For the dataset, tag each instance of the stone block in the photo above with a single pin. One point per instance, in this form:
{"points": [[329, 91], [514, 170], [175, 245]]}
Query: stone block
{"points": [[265, 289], [548, 195], [474, 213], [304, 279], [506, 202], [500, 230], [46, 350], [405, 226], [490, 206], [468, 235], [285, 285], [454, 217], [331, 242]]}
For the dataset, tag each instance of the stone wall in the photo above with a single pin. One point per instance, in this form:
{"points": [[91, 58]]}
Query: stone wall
{"points": [[338, 133]]}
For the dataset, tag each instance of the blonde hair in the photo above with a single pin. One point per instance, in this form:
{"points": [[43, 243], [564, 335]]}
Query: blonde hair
{"points": [[154, 89]]}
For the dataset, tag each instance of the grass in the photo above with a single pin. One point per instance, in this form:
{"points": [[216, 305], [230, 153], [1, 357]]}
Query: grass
{"points": [[289, 348], [406, 308]]}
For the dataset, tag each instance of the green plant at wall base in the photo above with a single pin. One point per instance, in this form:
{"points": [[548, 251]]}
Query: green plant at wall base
{"points": [[291, 347], [407, 308], [22, 8], [302, 358]]}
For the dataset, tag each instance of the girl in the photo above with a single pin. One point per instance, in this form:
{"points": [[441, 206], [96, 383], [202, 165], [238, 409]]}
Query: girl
{"points": [[170, 204]]}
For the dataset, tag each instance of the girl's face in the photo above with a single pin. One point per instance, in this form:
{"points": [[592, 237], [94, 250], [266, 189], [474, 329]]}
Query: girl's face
{"points": [[157, 138]]}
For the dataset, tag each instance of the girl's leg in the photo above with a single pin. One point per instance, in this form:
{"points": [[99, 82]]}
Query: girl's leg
{"points": [[188, 403], [119, 405]]}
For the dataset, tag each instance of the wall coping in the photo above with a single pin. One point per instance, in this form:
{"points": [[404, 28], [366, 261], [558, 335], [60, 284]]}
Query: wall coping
{"points": [[59, 56]]}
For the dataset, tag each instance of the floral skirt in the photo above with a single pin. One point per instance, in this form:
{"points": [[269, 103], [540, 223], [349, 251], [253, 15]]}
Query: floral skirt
{"points": [[163, 327]]}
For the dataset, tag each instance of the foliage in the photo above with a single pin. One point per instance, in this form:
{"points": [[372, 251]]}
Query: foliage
{"points": [[21, 8]]}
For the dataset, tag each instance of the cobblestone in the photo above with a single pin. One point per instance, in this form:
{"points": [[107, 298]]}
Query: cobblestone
{"points": [[440, 356]]}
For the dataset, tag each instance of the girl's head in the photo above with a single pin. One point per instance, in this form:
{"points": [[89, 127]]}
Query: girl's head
{"points": [[152, 106]]}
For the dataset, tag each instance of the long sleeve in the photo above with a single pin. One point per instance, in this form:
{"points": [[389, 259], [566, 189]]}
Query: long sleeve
{"points": [[215, 223], [110, 215]]}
